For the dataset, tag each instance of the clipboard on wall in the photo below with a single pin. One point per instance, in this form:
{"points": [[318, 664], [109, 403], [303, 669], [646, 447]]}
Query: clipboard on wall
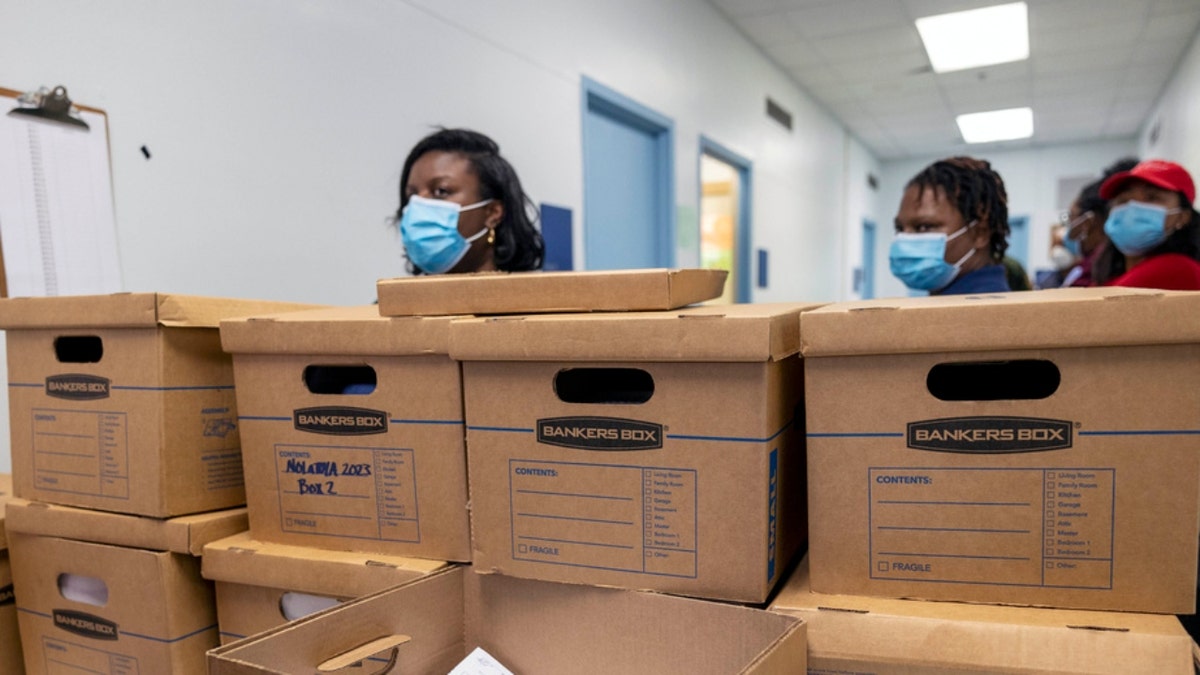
{"points": [[57, 218]]}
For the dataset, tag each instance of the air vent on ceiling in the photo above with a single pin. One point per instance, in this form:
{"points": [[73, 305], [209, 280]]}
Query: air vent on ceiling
{"points": [[779, 114]]}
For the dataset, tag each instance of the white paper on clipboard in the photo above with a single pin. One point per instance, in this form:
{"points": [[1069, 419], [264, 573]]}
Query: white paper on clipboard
{"points": [[57, 222]]}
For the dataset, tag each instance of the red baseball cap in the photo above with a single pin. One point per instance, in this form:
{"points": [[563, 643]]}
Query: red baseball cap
{"points": [[1159, 172]]}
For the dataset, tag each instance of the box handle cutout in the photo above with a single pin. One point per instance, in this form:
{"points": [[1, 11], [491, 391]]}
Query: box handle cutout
{"points": [[87, 590], [1017, 380], [603, 385], [353, 380], [294, 605], [78, 348], [364, 651]]}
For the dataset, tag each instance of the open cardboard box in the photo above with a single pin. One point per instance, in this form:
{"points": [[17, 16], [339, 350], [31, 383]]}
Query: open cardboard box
{"points": [[261, 585], [882, 636], [645, 450], [528, 292], [1024, 448], [10, 638], [125, 402], [111, 593], [352, 425], [531, 627]]}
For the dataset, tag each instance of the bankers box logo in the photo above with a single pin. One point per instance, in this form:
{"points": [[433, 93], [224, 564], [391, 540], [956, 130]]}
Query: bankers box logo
{"points": [[990, 434], [340, 421], [77, 387], [599, 433], [87, 625]]}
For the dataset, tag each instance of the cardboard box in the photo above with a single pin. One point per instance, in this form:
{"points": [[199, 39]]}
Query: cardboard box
{"points": [[124, 402], [383, 471], [531, 627], [879, 636], [102, 606], [1026, 448], [254, 579], [648, 450], [10, 638], [529, 292]]}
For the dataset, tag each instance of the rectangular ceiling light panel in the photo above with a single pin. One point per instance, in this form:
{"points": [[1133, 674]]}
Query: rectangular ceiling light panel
{"points": [[976, 37]]}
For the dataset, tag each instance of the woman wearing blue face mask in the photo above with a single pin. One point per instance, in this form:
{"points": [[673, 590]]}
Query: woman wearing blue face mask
{"points": [[952, 229], [462, 208], [1153, 226]]}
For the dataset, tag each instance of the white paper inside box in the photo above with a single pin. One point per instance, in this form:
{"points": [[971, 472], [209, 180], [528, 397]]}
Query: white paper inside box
{"points": [[1031, 449], [529, 626], [648, 450], [124, 402], [352, 425]]}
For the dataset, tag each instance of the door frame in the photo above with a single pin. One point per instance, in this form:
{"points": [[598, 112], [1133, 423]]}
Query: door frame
{"points": [[598, 98], [745, 170]]}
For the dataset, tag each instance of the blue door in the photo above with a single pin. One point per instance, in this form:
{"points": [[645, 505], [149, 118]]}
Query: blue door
{"points": [[1018, 239], [628, 205], [866, 288]]}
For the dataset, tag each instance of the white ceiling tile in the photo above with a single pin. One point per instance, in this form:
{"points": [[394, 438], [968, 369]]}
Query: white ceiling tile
{"points": [[1063, 86], [740, 8], [877, 43], [1071, 14], [1161, 52], [1047, 41], [1082, 62], [768, 29], [1169, 6], [1173, 26], [922, 8], [795, 54], [847, 16], [898, 65]]}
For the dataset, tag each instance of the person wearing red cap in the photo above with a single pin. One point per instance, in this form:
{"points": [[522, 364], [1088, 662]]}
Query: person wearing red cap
{"points": [[1153, 226]]}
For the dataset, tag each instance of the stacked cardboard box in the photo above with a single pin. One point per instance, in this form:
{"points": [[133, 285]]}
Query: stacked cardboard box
{"points": [[10, 637], [1033, 450], [883, 636], [121, 405], [427, 626], [112, 593]]}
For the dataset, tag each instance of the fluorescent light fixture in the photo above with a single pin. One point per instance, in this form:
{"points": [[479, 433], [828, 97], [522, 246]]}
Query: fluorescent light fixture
{"points": [[996, 125], [976, 37]]}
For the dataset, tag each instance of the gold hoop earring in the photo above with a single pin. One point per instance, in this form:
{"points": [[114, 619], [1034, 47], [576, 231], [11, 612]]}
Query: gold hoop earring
{"points": [[491, 239]]}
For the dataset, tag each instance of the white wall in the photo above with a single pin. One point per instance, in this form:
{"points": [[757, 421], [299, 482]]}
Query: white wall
{"points": [[277, 128], [1176, 116], [1031, 180]]}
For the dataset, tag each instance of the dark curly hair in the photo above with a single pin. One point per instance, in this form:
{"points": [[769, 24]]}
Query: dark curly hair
{"points": [[519, 246], [976, 190]]}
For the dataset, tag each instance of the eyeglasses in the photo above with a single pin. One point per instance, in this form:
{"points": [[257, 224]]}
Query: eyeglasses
{"points": [[1065, 219]]}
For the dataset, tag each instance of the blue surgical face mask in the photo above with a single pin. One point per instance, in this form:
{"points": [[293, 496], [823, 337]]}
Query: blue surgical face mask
{"points": [[919, 260], [429, 230], [1137, 227], [1074, 245]]}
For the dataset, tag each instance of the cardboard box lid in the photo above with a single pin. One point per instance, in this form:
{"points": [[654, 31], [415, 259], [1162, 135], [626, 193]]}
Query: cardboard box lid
{"points": [[184, 534], [6, 495], [528, 292], [1025, 639], [131, 310], [241, 559], [1069, 317], [531, 627], [336, 331], [728, 333]]}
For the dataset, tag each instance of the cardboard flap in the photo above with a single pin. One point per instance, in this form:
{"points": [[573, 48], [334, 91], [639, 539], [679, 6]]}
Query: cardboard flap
{"points": [[185, 534], [241, 559], [848, 629], [6, 495], [336, 331], [428, 610], [364, 651], [732, 333], [1072, 317], [131, 310], [528, 292]]}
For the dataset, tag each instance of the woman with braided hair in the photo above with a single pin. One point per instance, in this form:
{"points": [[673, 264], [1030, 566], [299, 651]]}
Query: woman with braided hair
{"points": [[952, 229]]}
